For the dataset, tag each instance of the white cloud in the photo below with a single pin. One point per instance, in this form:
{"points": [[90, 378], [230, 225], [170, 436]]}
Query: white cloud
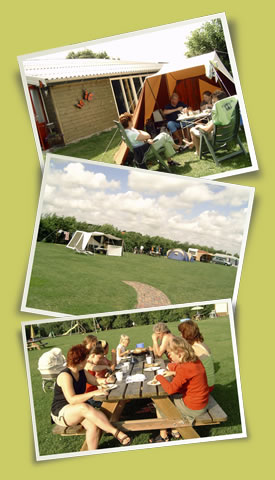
{"points": [[76, 175], [190, 191], [169, 213]]}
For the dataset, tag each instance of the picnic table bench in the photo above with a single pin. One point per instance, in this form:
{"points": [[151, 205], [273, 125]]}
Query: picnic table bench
{"points": [[117, 398]]}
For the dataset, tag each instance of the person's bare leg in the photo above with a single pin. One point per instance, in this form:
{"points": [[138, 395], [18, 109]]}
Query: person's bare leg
{"points": [[92, 434], [77, 413], [195, 141]]}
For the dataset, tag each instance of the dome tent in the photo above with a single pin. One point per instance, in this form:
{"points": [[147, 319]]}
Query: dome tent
{"points": [[177, 254]]}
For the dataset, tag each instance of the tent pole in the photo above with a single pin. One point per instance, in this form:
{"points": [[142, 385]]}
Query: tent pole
{"points": [[49, 235], [222, 82]]}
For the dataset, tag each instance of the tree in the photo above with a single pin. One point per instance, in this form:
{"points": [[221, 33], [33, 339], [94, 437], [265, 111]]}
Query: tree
{"points": [[122, 321], [207, 38], [87, 53]]}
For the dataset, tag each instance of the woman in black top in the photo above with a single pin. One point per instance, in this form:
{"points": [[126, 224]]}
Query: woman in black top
{"points": [[69, 405]]}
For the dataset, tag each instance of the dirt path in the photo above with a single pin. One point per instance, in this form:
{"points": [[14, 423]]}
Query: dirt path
{"points": [[148, 296]]}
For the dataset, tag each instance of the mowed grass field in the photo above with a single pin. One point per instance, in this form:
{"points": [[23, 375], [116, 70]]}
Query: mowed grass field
{"points": [[103, 147], [217, 335], [66, 282]]}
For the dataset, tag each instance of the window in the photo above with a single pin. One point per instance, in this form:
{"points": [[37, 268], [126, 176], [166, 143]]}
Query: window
{"points": [[126, 92], [118, 93]]}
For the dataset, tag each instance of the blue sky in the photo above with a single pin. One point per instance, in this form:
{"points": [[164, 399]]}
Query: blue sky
{"points": [[180, 208]]}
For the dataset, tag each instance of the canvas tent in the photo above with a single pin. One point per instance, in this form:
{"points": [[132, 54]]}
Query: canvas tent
{"points": [[177, 254], [189, 77], [96, 242]]}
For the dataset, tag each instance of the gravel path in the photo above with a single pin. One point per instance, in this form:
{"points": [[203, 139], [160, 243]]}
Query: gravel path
{"points": [[148, 296]]}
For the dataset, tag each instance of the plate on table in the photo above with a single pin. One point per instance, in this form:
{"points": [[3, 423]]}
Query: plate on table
{"points": [[146, 365], [153, 383], [109, 386], [150, 369]]}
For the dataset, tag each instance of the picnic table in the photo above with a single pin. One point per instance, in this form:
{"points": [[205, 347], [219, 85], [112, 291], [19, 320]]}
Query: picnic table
{"points": [[36, 344], [117, 398], [191, 119]]}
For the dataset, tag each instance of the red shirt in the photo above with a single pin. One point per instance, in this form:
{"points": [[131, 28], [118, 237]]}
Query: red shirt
{"points": [[191, 381], [89, 387]]}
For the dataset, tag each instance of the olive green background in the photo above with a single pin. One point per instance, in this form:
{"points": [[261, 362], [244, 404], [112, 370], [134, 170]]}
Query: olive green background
{"points": [[32, 26]]}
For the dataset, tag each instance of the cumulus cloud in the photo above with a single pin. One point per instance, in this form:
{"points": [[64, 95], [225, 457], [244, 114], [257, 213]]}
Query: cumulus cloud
{"points": [[190, 191], [78, 175], [201, 212]]}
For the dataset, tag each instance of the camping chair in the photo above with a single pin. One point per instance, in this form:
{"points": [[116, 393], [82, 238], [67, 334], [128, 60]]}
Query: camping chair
{"points": [[160, 121], [223, 135], [148, 155]]}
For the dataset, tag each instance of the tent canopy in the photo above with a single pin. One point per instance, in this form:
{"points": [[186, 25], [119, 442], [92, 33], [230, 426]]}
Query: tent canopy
{"points": [[189, 77], [82, 240]]}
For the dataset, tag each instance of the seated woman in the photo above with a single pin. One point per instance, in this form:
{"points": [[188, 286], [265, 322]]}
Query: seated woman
{"points": [[70, 407], [190, 332], [188, 390], [195, 132], [105, 361], [90, 341], [161, 339], [206, 103], [139, 138]]}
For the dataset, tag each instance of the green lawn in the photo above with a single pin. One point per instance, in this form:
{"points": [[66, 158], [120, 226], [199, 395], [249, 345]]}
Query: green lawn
{"points": [[217, 335], [66, 282], [94, 148]]}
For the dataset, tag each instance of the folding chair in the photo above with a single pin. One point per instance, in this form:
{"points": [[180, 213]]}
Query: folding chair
{"points": [[150, 154], [223, 136]]}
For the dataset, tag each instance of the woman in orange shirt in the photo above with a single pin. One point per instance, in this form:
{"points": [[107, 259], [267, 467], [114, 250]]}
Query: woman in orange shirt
{"points": [[189, 389]]}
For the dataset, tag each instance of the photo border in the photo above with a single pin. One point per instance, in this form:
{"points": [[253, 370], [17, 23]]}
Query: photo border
{"points": [[221, 16], [64, 158], [233, 436]]}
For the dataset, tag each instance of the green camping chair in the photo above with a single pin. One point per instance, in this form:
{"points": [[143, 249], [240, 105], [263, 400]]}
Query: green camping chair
{"points": [[223, 137], [150, 154]]}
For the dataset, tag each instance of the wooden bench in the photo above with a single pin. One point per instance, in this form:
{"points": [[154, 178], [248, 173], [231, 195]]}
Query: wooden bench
{"points": [[214, 416]]}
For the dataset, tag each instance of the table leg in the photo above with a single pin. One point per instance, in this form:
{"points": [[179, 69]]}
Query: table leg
{"points": [[166, 406], [113, 410]]}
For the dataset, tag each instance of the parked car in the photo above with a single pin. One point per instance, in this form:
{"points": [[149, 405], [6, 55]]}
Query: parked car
{"points": [[221, 261]]}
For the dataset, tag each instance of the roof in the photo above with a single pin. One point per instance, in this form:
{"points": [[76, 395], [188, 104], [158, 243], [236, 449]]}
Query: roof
{"points": [[54, 71], [207, 59], [112, 237]]}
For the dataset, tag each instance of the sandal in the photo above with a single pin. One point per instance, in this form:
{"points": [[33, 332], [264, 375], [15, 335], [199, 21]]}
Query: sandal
{"points": [[173, 163], [158, 439], [122, 439], [183, 148], [175, 435]]}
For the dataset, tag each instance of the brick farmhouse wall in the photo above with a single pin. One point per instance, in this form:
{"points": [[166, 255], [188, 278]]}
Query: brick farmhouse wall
{"points": [[95, 116]]}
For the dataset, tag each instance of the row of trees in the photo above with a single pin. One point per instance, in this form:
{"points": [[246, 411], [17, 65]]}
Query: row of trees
{"points": [[120, 321], [51, 224]]}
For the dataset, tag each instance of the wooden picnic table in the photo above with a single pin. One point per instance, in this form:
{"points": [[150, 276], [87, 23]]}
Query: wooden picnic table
{"points": [[115, 401], [117, 398], [36, 343]]}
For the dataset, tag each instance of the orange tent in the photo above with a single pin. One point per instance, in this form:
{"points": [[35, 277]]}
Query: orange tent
{"points": [[189, 78]]}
